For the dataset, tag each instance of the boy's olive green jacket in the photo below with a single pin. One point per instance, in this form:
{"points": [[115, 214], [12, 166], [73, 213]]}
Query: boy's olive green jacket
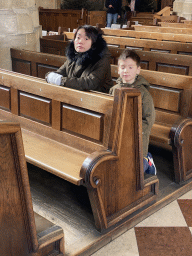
{"points": [[148, 110]]}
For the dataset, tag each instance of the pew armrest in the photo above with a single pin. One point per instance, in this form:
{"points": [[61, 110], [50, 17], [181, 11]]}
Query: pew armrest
{"points": [[181, 139]]}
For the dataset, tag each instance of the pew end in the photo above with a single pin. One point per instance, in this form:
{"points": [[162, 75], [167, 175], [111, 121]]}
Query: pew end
{"points": [[22, 231]]}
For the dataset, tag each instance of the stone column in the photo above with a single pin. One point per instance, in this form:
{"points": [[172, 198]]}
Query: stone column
{"points": [[19, 28], [183, 8]]}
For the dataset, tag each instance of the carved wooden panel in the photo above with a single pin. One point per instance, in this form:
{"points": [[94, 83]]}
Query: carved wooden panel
{"points": [[144, 64], [43, 69], [165, 98], [5, 101], [97, 17], [158, 50], [135, 48], [185, 53], [82, 121], [35, 107], [21, 66], [182, 70], [12, 208]]}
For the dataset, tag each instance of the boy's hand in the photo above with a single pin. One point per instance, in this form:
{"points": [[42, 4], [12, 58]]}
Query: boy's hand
{"points": [[110, 6]]}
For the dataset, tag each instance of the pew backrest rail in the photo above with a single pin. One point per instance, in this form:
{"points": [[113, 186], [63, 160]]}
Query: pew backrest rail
{"points": [[175, 25], [148, 35], [163, 29]]}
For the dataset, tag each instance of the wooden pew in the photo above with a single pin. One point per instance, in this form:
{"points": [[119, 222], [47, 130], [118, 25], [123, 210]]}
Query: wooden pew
{"points": [[53, 44], [187, 21], [21, 231], [172, 97], [175, 25], [80, 137], [144, 44], [51, 19], [148, 35], [37, 64], [163, 29]]}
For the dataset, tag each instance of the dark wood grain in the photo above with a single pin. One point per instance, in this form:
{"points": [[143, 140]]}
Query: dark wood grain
{"points": [[18, 232]]}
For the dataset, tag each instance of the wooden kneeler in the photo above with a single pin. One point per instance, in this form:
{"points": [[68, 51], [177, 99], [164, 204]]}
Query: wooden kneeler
{"points": [[22, 232]]}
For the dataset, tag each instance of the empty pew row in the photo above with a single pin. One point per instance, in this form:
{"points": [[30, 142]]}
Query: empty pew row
{"points": [[143, 44], [79, 136], [172, 98], [23, 232], [185, 38], [163, 29]]}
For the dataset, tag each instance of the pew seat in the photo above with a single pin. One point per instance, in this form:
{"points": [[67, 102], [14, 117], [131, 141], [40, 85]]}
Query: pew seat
{"points": [[69, 160], [22, 232]]}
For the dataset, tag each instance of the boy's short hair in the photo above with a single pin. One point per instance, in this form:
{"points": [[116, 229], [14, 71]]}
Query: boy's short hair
{"points": [[130, 54]]}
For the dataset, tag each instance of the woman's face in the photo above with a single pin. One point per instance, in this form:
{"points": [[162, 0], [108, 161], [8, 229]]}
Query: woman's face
{"points": [[82, 43]]}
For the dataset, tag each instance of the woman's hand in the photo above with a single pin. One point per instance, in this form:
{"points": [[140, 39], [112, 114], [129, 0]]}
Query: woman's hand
{"points": [[110, 6]]}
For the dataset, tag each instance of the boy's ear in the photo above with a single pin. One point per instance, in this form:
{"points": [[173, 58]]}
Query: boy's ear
{"points": [[138, 70]]}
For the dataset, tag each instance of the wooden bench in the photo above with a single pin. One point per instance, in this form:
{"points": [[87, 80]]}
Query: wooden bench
{"points": [[37, 63], [144, 44], [82, 138], [53, 44], [175, 25], [21, 231], [163, 29], [186, 38], [172, 98]]}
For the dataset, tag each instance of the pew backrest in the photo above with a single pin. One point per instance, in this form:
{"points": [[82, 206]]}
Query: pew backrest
{"points": [[38, 64], [163, 29], [56, 111], [175, 25]]}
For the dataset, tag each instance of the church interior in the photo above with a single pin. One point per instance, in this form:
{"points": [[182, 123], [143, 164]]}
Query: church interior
{"points": [[71, 161]]}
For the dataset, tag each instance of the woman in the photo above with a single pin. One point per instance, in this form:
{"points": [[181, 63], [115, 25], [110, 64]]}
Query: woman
{"points": [[88, 63]]}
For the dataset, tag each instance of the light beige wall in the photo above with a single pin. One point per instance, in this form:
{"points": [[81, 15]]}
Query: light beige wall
{"points": [[183, 8], [48, 4]]}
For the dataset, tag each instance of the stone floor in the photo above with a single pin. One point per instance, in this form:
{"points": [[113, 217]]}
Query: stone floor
{"points": [[165, 233]]}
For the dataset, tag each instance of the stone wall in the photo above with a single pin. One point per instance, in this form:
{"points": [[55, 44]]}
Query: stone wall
{"points": [[48, 4], [19, 27], [183, 8]]}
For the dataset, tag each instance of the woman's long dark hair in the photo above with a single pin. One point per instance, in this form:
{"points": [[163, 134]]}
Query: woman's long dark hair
{"points": [[91, 32]]}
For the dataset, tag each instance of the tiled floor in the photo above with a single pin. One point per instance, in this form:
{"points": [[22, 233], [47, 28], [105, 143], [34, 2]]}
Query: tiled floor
{"points": [[168, 232]]}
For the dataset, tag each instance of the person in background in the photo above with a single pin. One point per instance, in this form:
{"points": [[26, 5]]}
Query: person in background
{"points": [[129, 69], [113, 11], [88, 63]]}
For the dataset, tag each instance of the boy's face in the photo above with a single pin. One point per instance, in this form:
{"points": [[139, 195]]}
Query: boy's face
{"points": [[127, 69]]}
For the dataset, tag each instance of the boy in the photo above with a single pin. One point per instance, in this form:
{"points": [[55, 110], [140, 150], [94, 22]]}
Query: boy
{"points": [[129, 69]]}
